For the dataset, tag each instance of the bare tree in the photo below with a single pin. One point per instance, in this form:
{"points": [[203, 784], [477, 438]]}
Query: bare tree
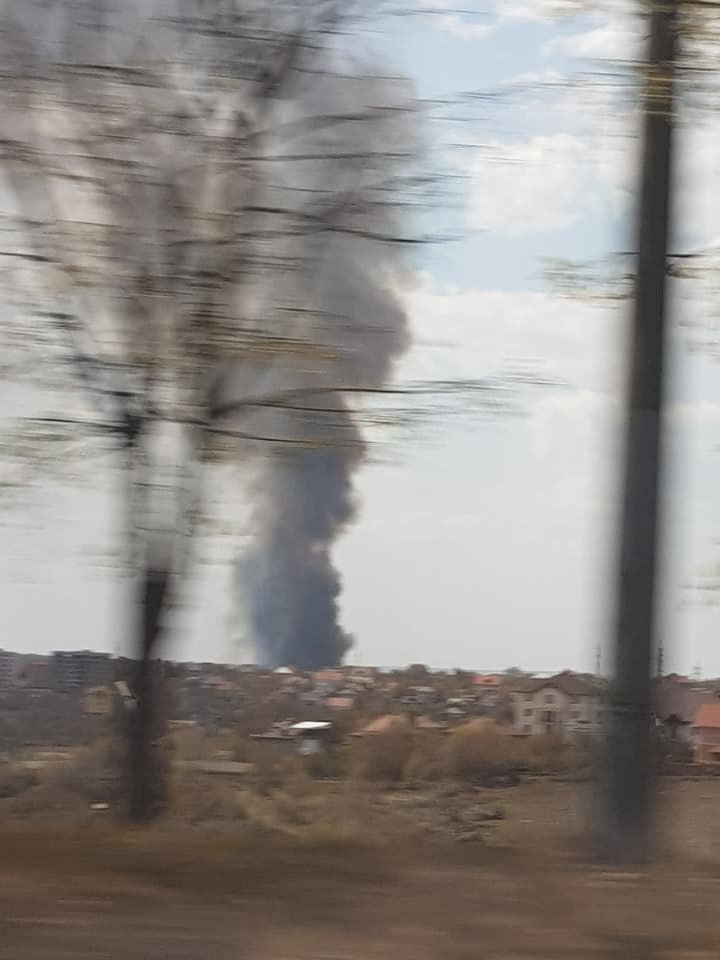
{"points": [[199, 201]]}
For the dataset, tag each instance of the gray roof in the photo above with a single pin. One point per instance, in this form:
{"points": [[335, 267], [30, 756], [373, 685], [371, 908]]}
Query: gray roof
{"points": [[572, 684]]}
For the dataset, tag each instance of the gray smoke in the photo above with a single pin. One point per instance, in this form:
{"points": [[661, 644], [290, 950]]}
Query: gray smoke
{"points": [[340, 297]]}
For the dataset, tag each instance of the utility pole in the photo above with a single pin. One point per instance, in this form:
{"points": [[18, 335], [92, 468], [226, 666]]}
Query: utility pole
{"points": [[624, 827]]}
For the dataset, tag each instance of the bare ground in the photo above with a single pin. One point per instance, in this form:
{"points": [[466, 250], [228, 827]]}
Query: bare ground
{"points": [[178, 892]]}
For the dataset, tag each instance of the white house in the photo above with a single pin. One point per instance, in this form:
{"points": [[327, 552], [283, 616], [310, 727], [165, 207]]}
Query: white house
{"points": [[567, 705]]}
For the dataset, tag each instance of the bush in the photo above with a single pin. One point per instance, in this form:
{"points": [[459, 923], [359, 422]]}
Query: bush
{"points": [[202, 799], [273, 767], [426, 759], [482, 755], [381, 757], [553, 755]]}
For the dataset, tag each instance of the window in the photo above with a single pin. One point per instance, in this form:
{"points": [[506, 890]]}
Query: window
{"points": [[528, 698], [528, 712], [549, 698]]}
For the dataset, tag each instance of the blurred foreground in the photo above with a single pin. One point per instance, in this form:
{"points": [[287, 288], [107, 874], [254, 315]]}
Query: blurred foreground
{"points": [[316, 874]]}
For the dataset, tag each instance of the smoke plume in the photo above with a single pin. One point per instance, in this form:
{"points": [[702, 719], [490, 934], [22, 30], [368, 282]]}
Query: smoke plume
{"points": [[340, 298]]}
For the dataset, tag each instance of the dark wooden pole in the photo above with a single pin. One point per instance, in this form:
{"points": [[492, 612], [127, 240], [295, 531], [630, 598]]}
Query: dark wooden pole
{"points": [[624, 827]]}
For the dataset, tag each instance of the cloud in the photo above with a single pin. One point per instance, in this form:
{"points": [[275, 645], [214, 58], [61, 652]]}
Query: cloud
{"points": [[459, 27], [703, 413], [470, 333], [537, 9], [536, 185], [615, 34], [470, 23]]}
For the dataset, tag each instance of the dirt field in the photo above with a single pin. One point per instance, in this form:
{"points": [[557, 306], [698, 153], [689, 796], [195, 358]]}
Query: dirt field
{"points": [[520, 892]]}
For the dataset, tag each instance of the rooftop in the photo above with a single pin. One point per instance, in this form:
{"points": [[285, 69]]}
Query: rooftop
{"points": [[708, 716], [569, 683]]}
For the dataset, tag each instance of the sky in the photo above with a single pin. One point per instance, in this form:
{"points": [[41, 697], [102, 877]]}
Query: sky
{"points": [[481, 542]]}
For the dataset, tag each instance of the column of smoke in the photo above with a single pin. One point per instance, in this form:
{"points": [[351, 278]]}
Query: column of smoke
{"points": [[344, 287]]}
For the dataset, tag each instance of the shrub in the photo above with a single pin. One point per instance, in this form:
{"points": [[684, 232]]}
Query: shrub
{"points": [[482, 754], [426, 759], [380, 756]]}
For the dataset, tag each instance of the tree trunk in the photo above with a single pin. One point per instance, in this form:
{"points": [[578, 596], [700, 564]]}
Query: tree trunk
{"points": [[146, 769]]}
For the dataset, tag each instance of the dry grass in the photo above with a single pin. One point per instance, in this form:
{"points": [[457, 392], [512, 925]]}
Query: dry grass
{"points": [[205, 863], [342, 886], [476, 753], [196, 893]]}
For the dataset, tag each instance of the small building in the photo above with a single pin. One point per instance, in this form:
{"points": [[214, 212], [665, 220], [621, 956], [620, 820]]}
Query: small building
{"points": [[98, 701], [74, 669], [312, 736], [340, 703], [307, 736], [486, 688], [34, 675], [565, 705], [706, 734], [7, 669], [677, 701]]}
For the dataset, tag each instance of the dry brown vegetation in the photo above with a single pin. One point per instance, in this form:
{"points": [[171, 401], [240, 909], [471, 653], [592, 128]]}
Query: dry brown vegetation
{"points": [[280, 791], [326, 891], [473, 754]]}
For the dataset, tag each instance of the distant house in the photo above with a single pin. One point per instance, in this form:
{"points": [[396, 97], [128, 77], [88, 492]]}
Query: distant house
{"points": [[99, 701], [486, 688], [7, 668], [312, 735], [565, 705], [340, 703], [677, 701], [34, 675], [330, 677], [706, 734], [74, 669]]}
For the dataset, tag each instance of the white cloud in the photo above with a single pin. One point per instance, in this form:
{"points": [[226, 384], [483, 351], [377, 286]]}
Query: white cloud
{"points": [[463, 28], [616, 34], [540, 184], [471, 23], [699, 414], [537, 9], [470, 333]]}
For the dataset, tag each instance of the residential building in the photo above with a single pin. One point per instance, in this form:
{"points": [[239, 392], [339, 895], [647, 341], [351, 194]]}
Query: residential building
{"points": [[706, 734], [677, 701], [7, 669], [75, 669], [487, 690], [340, 703], [99, 701], [565, 705], [34, 675]]}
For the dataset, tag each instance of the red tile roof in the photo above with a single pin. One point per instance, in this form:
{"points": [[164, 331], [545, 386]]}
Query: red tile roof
{"points": [[708, 716], [340, 703]]}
